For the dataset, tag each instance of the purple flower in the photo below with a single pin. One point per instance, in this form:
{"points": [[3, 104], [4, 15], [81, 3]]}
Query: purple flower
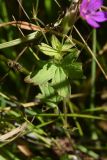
{"points": [[90, 11]]}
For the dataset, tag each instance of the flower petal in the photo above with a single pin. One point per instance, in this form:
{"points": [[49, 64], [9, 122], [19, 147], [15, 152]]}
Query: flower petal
{"points": [[100, 16], [94, 4], [92, 23], [89, 10], [84, 5]]}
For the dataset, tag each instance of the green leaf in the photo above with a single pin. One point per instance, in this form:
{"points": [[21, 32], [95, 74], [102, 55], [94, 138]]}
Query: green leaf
{"points": [[71, 57], [29, 37], [55, 43], [2, 158], [73, 70], [67, 46], [44, 75], [48, 95], [47, 50], [39, 65], [60, 82]]}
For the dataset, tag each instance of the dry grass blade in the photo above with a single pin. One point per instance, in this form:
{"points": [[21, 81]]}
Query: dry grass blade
{"points": [[20, 4], [13, 132], [23, 25], [92, 54], [24, 149]]}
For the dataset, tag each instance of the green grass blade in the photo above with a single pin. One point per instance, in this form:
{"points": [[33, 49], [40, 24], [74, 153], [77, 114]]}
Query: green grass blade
{"points": [[18, 41]]}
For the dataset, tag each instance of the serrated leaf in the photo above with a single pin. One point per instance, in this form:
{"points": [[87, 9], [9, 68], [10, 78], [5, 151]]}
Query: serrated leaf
{"points": [[71, 57], [66, 47], [49, 95], [39, 65], [47, 50], [44, 75], [60, 83], [55, 43], [73, 70]]}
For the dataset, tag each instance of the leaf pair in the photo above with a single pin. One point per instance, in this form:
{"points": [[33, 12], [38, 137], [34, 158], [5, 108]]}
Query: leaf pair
{"points": [[58, 50], [54, 77]]}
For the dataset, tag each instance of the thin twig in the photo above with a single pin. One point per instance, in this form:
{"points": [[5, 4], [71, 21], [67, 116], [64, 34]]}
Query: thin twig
{"points": [[90, 51]]}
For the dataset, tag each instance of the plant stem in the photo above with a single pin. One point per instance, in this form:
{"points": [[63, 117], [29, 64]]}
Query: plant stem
{"points": [[70, 115], [93, 71], [75, 118], [93, 79]]}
